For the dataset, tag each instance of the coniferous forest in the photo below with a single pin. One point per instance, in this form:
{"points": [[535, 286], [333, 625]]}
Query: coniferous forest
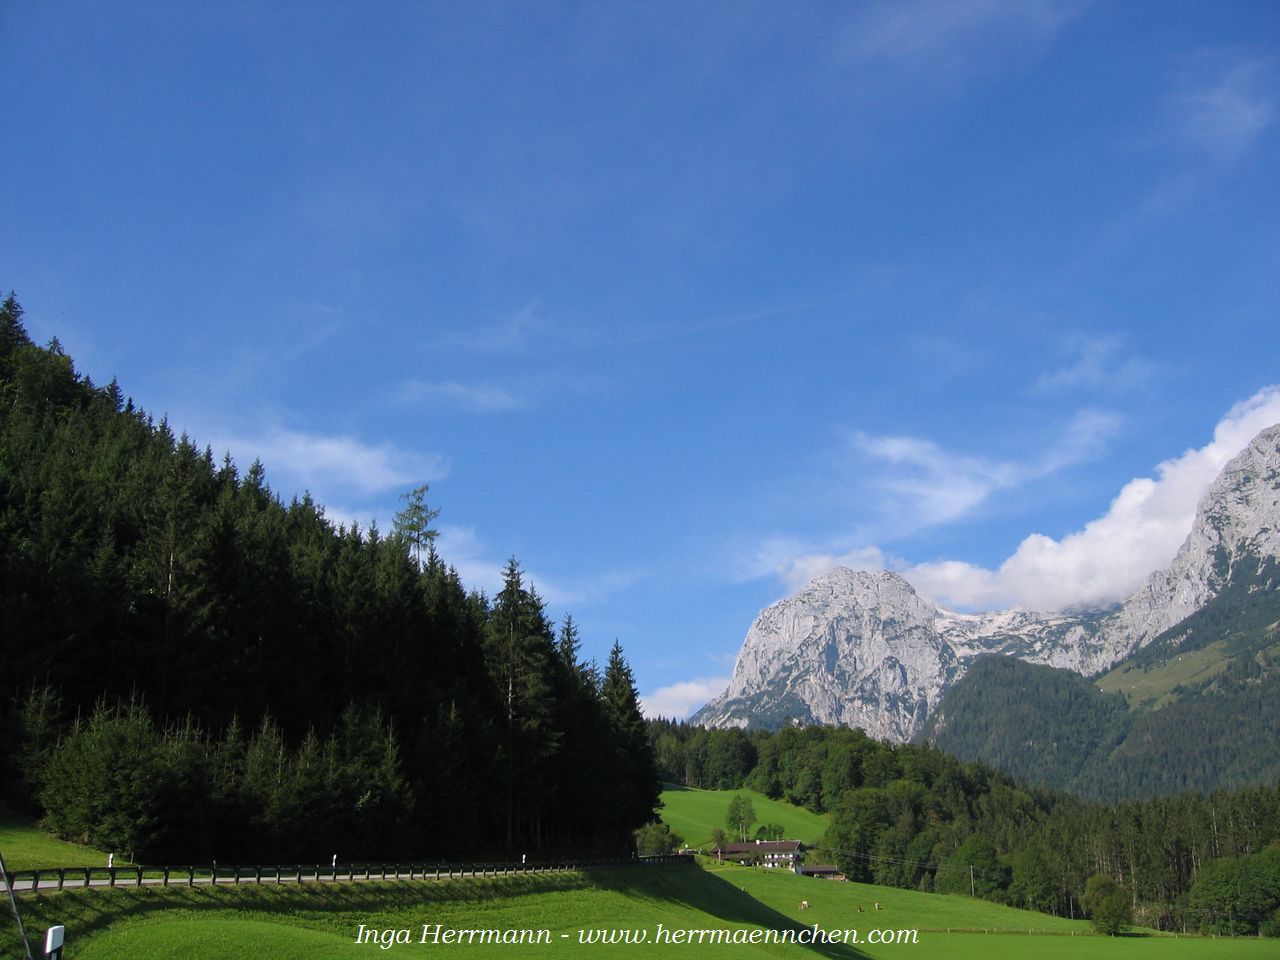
{"points": [[192, 667]]}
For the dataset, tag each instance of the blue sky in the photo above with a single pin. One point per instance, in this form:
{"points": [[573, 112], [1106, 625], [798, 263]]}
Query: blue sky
{"points": [[678, 304]]}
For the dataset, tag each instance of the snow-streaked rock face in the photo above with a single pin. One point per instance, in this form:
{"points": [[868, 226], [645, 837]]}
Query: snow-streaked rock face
{"points": [[865, 650], [1237, 522]]}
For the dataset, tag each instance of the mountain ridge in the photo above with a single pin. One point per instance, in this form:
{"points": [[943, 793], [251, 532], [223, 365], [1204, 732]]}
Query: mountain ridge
{"points": [[858, 648]]}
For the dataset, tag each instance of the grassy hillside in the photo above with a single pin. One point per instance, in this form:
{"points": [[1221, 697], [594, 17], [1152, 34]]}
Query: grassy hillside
{"points": [[695, 813], [833, 904], [25, 847], [319, 921], [953, 926], [1158, 683]]}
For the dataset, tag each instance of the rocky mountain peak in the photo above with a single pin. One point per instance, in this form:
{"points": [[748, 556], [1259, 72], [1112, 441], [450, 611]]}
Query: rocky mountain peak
{"points": [[863, 588]]}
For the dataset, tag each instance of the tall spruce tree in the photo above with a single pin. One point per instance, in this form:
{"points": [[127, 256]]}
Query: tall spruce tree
{"points": [[521, 653], [636, 787]]}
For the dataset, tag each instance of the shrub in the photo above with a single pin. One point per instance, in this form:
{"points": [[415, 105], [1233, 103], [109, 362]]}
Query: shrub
{"points": [[1109, 905]]}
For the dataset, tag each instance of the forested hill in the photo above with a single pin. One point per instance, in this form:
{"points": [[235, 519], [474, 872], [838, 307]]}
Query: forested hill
{"points": [[1197, 709], [196, 666], [908, 815]]}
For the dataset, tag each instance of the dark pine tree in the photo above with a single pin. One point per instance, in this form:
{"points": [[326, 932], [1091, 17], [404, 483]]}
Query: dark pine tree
{"points": [[635, 786]]}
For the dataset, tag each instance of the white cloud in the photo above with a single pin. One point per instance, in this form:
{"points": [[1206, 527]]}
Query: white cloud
{"points": [[341, 516], [479, 398], [1107, 560], [329, 465], [1100, 564], [677, 701]]}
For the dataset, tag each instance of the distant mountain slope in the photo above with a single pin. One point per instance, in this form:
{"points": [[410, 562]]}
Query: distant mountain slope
{"points": [[1038, 723], [1198, 708], [862, 649]]}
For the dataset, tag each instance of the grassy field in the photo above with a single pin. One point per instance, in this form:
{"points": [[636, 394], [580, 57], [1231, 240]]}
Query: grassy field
{"points": [[320, 921], [961, 927], [695, 813], [1153, 687], [835, 904], [27, 848]]}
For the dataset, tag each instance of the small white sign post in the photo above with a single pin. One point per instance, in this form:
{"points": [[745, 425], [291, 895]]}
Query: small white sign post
{"points": [[53, 942]]}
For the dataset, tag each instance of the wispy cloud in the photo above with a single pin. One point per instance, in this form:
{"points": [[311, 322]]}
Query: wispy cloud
{"points": [[925, 28], [477, 398], [1223, 103], [1097, 363], [462, 548], [677, 701], [924, 485], [510, 334], [950, 37]]}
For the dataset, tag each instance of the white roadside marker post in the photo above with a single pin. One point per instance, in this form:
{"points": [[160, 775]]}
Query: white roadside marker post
{"points": [[53, 942]]}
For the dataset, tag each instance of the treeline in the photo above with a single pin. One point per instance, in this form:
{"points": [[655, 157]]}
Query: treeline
{"points": [[912, 816], [157, 597]]}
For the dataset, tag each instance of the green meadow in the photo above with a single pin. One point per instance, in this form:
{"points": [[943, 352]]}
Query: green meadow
{"points": [[27, 848], [695, 813], [321, 921], [1154, 686]]}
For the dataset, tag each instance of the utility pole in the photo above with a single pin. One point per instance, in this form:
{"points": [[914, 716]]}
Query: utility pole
{"points": [[13, 903]]}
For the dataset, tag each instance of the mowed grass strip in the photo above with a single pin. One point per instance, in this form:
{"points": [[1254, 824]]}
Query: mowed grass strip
{"points": [[319, 921], [693, 814], [180, 939]]}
